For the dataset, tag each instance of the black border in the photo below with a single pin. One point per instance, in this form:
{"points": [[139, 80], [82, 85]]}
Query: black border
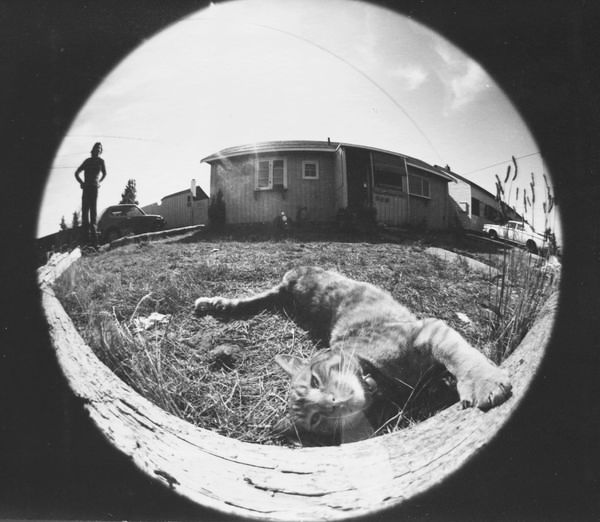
{"points": [[542, 466]]}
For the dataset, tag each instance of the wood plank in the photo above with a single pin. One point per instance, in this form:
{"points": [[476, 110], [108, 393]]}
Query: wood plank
{"points": [[271, 482]]}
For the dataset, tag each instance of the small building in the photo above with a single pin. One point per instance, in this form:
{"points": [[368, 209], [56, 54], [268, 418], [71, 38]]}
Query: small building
{"points": [[180, 209], [473, 205], [315, 180]]}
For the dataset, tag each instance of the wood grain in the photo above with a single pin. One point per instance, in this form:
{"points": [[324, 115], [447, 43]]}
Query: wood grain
{"points": [[277, 483]]}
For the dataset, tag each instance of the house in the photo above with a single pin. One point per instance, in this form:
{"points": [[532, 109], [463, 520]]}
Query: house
{"points": [[473, 205], [180, 209], [314, 180]]}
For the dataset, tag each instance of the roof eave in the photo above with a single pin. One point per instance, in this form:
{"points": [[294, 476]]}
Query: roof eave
{"points": [[220, 156]]}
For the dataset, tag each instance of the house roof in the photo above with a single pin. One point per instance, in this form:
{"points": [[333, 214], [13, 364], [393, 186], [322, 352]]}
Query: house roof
{"points": [[462, 178], [273, 146], [455, 176], [315, 146], [200, 194]]}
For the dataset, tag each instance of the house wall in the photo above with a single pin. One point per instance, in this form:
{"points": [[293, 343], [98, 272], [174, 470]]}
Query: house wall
{"points": [[398, 208], [236, 177], [460, 192], [180, 210], [432, 212], [323, 197], [466, 213]]}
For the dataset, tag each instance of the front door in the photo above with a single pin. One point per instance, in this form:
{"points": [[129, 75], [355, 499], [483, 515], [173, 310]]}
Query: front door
{"points": [[358, 169]]}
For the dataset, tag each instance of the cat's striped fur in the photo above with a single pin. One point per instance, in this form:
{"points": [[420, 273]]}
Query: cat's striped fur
{"points": [[376, 348]]}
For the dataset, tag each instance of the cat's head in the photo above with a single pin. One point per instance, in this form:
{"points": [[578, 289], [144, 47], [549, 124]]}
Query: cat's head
{"points": [[329, 393]]}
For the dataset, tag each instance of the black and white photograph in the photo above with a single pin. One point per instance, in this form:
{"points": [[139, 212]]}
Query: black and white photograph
{"points": [[300, 260]]}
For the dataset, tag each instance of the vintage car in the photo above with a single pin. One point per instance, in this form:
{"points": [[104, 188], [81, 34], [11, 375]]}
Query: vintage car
{"points": [[123, 220], [517, 232]]}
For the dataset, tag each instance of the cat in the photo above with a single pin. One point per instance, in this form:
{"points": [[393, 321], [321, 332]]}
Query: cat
{"points": [[376, 349]]}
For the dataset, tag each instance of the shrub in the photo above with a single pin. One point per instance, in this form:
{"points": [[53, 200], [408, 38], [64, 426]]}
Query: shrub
{"points": [[217, 212]]}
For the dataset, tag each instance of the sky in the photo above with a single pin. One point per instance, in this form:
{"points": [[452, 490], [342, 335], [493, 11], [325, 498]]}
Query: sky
{"points": [[247, 71]]}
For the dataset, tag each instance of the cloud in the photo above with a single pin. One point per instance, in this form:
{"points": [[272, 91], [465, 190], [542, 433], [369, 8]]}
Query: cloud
{"points": [[466, 86], [412, 75], [463, 77]]}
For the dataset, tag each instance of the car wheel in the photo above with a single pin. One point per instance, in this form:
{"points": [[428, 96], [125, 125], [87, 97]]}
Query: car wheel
{"points": [[112, 234], [531, 246], [492, 234]]}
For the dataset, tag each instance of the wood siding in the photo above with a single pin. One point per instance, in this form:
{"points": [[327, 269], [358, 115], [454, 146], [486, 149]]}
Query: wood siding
{"points": [[397, 208], [430, 212], [391, 206], [236, 176]]}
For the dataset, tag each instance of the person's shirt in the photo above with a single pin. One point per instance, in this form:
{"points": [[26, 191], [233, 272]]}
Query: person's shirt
{"points": [[92, 168]]}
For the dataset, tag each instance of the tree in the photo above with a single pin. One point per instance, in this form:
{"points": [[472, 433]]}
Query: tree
{"points": [[63, 223], [75, 221], [129, 195]]}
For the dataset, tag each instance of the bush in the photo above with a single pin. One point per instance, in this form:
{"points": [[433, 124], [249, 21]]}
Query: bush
{"points": [[217, 212]]}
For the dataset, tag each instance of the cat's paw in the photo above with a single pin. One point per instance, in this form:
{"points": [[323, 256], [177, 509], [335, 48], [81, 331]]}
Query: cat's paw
{"points": [[205, 305], [484, 387]]}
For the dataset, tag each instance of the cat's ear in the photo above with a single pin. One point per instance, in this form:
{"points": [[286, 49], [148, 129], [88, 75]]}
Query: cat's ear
{"points": [[290, 363]]}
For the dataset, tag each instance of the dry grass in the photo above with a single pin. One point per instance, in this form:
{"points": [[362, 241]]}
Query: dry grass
{"points": [[242, 394], [516, 295]]}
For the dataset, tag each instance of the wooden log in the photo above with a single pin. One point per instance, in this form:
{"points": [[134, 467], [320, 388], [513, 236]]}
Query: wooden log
{"points": [[277, 483], [153, 236]]}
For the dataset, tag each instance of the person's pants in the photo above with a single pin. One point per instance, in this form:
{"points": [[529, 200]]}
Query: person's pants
{"points": [[88, 214]]}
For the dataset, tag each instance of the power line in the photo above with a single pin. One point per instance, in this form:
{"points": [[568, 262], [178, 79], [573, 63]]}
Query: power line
{"points": [[502, 163], [353, 67], [103, 136]]}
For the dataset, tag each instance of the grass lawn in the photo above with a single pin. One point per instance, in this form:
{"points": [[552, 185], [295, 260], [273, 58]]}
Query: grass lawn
{"points": [[220, 374]]}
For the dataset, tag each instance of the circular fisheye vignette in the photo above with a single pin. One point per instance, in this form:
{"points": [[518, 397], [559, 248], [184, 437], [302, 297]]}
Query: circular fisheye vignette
{"points": [[269, 480]]}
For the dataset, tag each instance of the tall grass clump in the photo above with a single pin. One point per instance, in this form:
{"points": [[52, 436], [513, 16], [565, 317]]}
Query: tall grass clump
{"points": [[526, 280], [516, 296]]}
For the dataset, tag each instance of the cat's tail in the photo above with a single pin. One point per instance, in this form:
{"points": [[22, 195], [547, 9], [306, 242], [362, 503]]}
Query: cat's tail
{"points": [[239, 306]]}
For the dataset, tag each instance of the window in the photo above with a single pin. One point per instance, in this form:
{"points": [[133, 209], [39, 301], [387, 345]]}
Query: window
{"points": [[475, 207], [418, 186], [278, 179], [126, 211], [271, 174], [134, 211], [388, 170], [387, 178], [310, 170]]}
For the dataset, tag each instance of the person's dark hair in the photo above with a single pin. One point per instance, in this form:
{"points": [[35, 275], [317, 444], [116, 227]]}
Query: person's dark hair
{"points": [[97, 147]]}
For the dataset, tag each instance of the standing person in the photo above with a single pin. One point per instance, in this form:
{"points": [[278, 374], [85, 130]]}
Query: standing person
{"points": [[92, 167]]}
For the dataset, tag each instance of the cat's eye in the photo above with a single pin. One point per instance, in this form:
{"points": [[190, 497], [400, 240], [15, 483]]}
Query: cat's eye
{"points": [[314, 420], [314, 381]]}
